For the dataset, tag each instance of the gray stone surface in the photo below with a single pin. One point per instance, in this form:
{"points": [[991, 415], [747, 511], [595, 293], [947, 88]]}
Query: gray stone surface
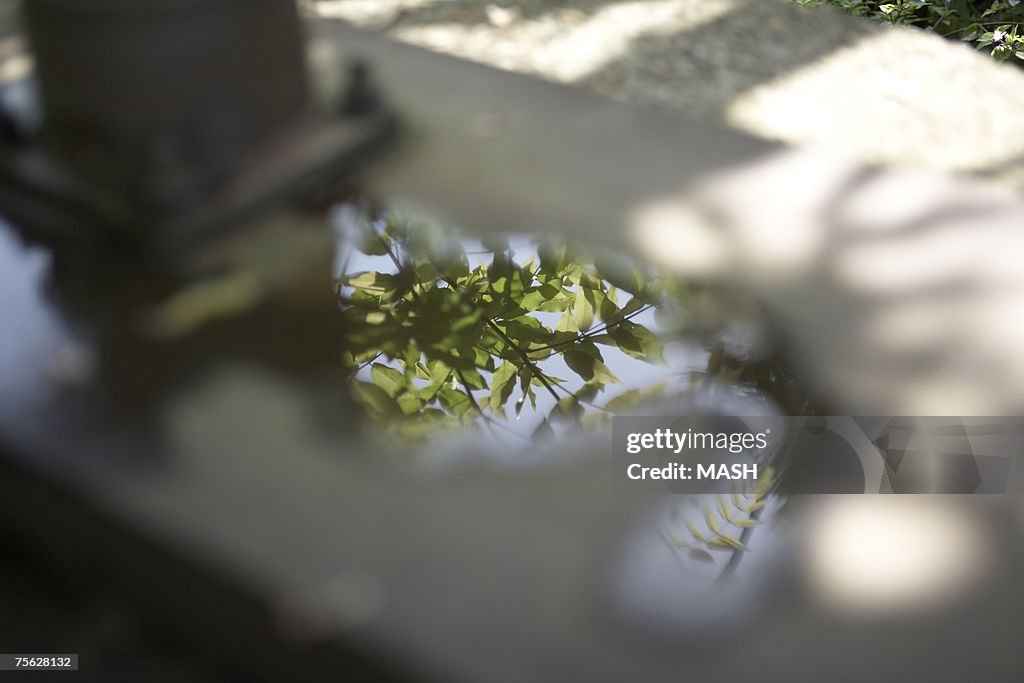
{"points": [[897, 292], [805, 76]]}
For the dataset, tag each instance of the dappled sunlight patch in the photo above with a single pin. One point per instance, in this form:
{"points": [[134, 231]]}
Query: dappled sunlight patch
{"points": [[563, 43], [870, 557], [895, 97], [776, 231]]}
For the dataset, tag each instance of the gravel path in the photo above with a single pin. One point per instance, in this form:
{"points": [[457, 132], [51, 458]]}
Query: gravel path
{"points": [[805, 76]]}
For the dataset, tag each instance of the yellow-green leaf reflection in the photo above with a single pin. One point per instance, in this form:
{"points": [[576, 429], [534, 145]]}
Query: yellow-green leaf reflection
{"points": [[520, 337]]}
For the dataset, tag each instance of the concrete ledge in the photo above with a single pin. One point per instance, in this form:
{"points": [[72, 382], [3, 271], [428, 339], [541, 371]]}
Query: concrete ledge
{"points": [[803, 76]]}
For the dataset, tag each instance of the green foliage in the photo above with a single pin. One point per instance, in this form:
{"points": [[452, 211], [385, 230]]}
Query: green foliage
{"points": [[447, 342], [991, 25], [727, 522]]}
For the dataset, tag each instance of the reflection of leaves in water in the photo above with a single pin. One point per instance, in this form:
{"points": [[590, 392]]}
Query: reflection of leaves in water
{"points": [[727, 524], [447, 342], [439, 337]]}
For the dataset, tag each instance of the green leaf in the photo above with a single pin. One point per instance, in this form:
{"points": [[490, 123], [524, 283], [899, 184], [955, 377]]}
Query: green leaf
{"points": [[701, 555], [765, 481], [372, 244], [375, 399], [525, 375], [548, 290], [723, 509], [604, 375], [556, 305], [540, 298], [543, 430], [585, 360], [631, 307], [439, 373], [456, 268], [527, 329], [608, 310], [732, 542], [483, 359], [502, 383], [568, 409], [409, 404], [580, 363], [651, 345], [588, 392], [526, 271], [754, 507], [624, 401], [567, 323], [466, 322], [472, 378], [376, 284], [589, 281], [363, 356], [588, 347], [627, 342], [455, 401], [709, 517], [389, 379], [412, 356], [619, 270], [583, 308], [553, 256], [532, 300]]}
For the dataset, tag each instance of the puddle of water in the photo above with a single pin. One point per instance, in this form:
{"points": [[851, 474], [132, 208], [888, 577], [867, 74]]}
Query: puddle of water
{"points": [[495, 352], [38, 354], [519, 339], [665, 577], [517, 351]]}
